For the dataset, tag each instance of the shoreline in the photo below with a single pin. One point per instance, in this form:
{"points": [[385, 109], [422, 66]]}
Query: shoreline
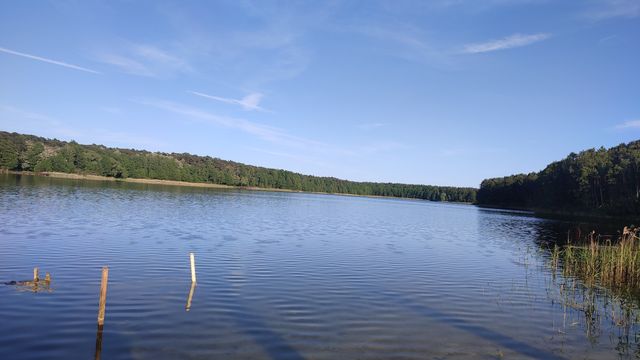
{"points": [[74, 176], [562, 214], [544, 213]]}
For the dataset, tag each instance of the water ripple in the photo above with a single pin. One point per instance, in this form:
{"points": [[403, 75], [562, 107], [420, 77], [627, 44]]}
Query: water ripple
{"points": [[280, 276]]}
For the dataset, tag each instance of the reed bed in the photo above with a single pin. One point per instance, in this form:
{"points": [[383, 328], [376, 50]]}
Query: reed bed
{"points": [[609, 261]]}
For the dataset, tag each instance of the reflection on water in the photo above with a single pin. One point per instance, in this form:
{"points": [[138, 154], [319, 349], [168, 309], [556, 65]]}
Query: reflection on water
{"points": [[98, 352], [599, 314], [190, 296], [289, 276], [37, 284]]}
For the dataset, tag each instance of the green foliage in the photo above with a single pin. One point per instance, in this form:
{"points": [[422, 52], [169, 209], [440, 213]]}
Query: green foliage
{"points": [[12, 149], [42, 154], [31, 156], [602, 181], [9, 155]]}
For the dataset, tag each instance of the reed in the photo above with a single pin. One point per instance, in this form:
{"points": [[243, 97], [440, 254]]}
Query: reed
{"points": [[602, 260]]}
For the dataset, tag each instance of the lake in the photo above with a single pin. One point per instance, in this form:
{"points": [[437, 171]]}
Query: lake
{"points": [[288, 276]]}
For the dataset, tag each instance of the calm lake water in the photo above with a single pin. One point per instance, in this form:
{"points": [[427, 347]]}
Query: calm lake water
{"points": [[287, 276]]}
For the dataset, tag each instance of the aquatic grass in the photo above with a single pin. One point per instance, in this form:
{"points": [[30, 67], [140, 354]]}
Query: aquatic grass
{"points": [[600, 310], [602, 260]]}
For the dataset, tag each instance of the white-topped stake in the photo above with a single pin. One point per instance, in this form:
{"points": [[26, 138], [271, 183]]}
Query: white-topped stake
{"points": [[193, 267]]}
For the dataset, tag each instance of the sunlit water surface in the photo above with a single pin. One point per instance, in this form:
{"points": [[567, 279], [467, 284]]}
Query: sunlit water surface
{"points": [[283, 276]]}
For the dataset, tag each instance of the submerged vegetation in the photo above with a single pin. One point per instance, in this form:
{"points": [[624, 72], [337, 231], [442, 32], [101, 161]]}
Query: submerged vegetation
{"points": [[597, 312], [594, 182], [31, 153], [597, 277], [605, 261]]}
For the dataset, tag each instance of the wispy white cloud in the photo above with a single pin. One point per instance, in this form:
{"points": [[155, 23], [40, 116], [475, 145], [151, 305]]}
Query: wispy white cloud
{"points": [[111, 110], [631, 124], [370, 126], [315, 162], [46, 60], [120, 138], [269, 133], [280, 154], [606, 9], [145, 60], [449, 152], [466, 151], [264, 132], [249, 102], [7, 109], [27, 121], [271, 48], [607, 39], [32, 122], [509, 42], [275, 153], [405, 42], [126, 64], [279, 52], [486, 4], [380, 146]]}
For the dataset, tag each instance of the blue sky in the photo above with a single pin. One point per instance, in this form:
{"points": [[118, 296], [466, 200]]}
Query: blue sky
{"points": [[444, 92]]}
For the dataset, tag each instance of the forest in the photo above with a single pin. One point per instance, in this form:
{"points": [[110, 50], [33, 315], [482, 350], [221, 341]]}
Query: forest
{"points": [[20, 152], [595, 182]]}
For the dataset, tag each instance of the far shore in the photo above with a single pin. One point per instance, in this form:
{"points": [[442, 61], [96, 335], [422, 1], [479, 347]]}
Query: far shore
{"points": [[74, 176]]}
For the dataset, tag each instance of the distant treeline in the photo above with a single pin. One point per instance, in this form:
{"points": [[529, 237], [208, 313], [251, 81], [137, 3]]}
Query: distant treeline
{"points": [[31, 153], [597, 182]]}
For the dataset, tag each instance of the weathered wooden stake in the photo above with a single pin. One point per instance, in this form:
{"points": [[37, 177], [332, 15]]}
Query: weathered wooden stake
{"points": [[193, 267], [35, 275], [103, 295]]}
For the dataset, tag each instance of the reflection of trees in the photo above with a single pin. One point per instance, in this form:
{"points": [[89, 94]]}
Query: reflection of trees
{"points": [[598, 311]]}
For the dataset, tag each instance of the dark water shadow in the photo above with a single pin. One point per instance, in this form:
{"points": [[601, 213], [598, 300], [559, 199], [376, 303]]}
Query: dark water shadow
{"points": [[271, 342], [254, 325], [503, 340]]}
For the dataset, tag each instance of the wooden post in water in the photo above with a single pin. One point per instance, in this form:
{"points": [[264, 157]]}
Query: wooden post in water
{"points": [[35, 275], [103, 295], [193, 267]]}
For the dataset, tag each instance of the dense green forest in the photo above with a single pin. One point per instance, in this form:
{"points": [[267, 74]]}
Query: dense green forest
{"points": [[31, 153], [598, 182]]}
